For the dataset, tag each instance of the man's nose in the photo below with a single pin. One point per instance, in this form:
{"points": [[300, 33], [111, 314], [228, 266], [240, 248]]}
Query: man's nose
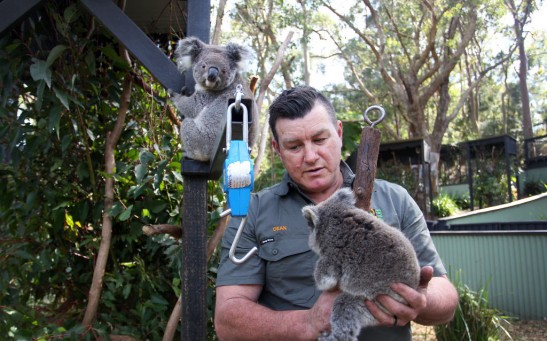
{"points": [[310, 154]]}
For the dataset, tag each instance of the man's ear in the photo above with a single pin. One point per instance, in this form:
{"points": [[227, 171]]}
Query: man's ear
{"points": [[275, 146], [339, 128]]}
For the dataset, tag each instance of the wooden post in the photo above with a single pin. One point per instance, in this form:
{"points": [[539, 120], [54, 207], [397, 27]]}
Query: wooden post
{"points": [[365, 169], [367, 160]]}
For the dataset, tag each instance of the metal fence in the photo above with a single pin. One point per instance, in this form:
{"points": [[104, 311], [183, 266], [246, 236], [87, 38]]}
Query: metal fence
{"points": [[512, 264]]}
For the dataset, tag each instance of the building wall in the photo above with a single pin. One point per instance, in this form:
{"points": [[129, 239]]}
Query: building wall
{"points": [[513, 263]]}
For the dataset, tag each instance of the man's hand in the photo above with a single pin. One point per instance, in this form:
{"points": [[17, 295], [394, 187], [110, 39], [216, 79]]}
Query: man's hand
{"points": [[397, 313], [319, 314]]}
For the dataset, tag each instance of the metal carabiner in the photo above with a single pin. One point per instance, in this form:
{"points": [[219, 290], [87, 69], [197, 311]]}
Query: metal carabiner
{"points": [[232, 252], [229, 124], [380, 119]]}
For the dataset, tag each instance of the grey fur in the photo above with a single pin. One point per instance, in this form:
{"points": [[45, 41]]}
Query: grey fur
{"points": [[203, 110], [360, 255]]}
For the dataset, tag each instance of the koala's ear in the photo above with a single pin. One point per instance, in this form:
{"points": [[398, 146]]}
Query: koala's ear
{"points": [[345, 195], [239, 54], [310, 214], [188, 49]]}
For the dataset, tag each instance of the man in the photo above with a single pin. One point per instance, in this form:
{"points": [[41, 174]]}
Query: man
{"points": [[272, 296]]}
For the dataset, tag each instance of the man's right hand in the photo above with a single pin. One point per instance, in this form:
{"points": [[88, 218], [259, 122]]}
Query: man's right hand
{"points": [[319, 314]]}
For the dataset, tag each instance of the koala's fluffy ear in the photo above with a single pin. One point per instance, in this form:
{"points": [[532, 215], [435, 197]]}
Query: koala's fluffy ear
{"points": [[344, 195], [188, 49], [310, 214], [239, 54]]}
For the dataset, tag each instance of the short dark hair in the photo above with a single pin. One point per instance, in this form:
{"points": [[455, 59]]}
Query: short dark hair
{"points": [[297, 103]]}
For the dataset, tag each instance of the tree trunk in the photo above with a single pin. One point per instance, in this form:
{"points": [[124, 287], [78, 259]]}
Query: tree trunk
{"points": [[520, 20], [218, 23], [523, 84], [106, 234]]}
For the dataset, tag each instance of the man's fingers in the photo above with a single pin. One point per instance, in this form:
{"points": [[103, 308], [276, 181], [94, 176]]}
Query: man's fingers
{"points": [[426, 273]]}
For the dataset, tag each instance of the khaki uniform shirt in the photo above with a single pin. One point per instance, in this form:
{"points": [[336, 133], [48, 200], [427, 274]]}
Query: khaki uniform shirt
{"points": [[284, 264]]}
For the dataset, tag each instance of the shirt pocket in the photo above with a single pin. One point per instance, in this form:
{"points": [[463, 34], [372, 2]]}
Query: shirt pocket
{"points": [[289, 270]]}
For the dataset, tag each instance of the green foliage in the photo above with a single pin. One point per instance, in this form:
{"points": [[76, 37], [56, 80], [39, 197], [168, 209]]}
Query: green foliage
{"points": [[534, 188], [444, 206], [474, 320], [490, 190], [463, 202], [60, 97], [402, 174]]}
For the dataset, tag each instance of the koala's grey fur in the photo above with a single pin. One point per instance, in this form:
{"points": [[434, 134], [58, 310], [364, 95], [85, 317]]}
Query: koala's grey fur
{"points": [[360, 255], [216, 70]]}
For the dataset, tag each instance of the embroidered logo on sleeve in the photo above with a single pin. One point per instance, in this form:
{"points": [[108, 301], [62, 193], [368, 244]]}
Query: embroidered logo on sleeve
{"points": [[377, 213], [279, 228]]}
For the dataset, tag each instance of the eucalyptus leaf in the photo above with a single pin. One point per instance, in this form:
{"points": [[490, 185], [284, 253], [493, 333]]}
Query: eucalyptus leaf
{"points": [[65, 142], [62, 97], [140, 172], [126, 214], [146, 157], [54, 120], [54, 54], [40, 71]]}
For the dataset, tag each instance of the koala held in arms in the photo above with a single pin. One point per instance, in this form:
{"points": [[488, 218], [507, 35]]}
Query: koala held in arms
{"points": [[360, 255], [216, 70]]}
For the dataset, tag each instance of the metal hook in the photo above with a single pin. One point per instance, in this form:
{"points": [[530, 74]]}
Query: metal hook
{"points": [[238, 95], [380, 119], [234, 246]]}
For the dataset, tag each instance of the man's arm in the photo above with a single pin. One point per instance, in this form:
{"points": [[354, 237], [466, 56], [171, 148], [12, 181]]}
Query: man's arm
{"points": [[433, 302], [238, 316]]}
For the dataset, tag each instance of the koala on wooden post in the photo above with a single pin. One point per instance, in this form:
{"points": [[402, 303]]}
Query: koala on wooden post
{"points": [[359, 254], [216, 70]]}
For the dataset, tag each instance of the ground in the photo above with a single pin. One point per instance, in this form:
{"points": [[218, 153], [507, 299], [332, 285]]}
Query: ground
{"points": [[519, 330]]}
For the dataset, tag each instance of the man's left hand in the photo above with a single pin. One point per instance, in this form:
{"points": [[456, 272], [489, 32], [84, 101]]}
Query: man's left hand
{"points": [[399, 314]]}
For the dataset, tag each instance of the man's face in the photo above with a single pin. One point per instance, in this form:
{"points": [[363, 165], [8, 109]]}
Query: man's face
{"points": [[310, 149]]}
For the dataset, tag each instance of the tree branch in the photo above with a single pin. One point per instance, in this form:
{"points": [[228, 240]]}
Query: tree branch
{"points": [[173, 230], [263, 88]]}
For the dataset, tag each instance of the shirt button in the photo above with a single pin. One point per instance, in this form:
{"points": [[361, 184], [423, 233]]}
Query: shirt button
{"points": [[275, 251]]}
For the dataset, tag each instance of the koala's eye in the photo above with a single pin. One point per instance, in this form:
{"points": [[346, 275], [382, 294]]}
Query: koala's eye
{"points": [[203, 66], [223, 70]]}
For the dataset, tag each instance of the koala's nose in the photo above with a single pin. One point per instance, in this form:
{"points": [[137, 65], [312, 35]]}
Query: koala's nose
{"points": [[213, 74]]}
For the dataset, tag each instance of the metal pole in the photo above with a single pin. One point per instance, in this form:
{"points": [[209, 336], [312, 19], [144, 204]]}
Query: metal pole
{"points": [[194, 210], [470, 176], [194, 259]]}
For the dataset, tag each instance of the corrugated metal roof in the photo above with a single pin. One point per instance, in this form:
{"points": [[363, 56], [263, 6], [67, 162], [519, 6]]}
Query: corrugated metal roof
{"points": [[158, 16]]}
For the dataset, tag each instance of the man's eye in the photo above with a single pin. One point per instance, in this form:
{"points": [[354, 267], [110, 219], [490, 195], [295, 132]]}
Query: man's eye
{"points": [[293, 148], [321, 140]]}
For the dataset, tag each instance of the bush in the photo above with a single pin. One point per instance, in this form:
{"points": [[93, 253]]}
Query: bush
{"points": [[534, 188], [444, 206], [473, 319], [462, 201]]}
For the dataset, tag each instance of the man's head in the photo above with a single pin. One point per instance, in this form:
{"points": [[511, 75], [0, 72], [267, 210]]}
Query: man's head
{"points": [[308, 140], [297, 103]]}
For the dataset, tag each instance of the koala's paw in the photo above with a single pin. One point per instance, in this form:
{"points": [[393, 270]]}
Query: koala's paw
{"points": [[326, 282], [173, 93]]}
